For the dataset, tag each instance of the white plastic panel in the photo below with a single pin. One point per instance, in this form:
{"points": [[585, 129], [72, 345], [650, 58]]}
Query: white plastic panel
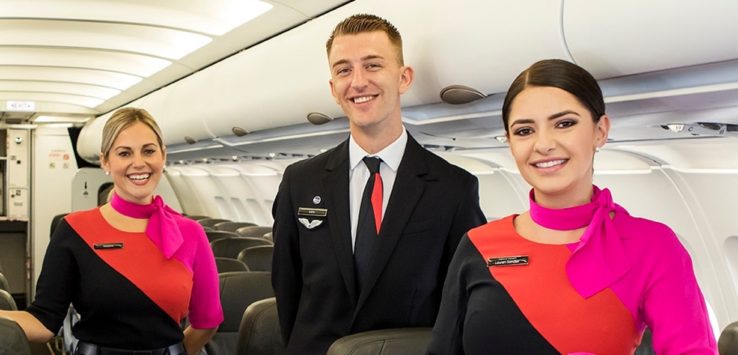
{"points": [[155, 41], [614, 38], [84, 101], [730, 249], [482, 44], [53, 161], [97, 92], [71, 75], [207, 16], [716, 204], [249, 90], [198, 185], [691, 155], [260, 183], [188, 201], [131, 63]]}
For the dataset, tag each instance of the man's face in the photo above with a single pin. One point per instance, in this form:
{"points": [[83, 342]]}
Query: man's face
{"points": [[367, 79]]}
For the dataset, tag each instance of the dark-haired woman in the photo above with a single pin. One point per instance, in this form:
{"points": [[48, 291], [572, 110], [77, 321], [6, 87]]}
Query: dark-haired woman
{"points": [[575, 274]]}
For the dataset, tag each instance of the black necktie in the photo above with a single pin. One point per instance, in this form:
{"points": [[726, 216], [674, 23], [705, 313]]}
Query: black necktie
{"points": [[370, 219]]}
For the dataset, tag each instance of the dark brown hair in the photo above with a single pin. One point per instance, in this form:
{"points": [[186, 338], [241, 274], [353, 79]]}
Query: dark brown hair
{"points": [[361, 23], [559, 74]]}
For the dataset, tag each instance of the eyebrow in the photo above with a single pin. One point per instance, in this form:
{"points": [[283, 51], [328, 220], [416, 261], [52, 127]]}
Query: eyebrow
{"points": [[129, 148], [363, 59], [551, 117]]}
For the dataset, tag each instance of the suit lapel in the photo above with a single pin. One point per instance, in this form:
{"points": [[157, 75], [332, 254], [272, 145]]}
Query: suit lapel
{"points": [[406, 192], [337, 183]]}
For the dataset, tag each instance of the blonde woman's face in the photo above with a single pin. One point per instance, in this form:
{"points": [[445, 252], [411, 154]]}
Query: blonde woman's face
{"points": [[136, 163]]}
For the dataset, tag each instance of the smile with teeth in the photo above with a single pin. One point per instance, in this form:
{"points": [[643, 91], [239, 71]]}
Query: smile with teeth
{"points": [[363, 99], [139, 177], [550, 163]]}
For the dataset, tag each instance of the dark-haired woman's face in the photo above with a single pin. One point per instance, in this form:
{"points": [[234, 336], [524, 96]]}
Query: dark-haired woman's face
{"points": [[553, 139]]}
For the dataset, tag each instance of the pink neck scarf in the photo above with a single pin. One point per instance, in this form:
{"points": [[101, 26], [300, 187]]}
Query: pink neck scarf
{"points": [[599, 259], [162, 227]]}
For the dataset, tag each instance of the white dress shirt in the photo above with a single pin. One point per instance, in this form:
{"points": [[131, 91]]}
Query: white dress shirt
{"points": [[359, 175]]}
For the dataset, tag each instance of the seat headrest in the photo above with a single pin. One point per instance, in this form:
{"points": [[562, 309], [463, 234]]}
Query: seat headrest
{"points": [[259, 333], [4, 282], [401, 341], [12, 338], [237, 291], [728, 341], [7, 303]]}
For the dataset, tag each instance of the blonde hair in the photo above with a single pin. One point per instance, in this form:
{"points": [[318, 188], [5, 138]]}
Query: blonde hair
{"points": [[122, 119], [362, 23]]}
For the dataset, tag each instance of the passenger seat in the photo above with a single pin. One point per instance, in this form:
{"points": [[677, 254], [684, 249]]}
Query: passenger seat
{"points": [[237, 291], [259, 332], [400, 341], [257, 258], [728, 341], [12, 338]]}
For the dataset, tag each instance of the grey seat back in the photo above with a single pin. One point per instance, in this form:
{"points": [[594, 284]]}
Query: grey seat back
{"points": [[214, 235], [55, 222], [4, 283], [210, 222], [229, 265], [257, 258], [259, 332], [231, 226], [253, 231], [237, 291], [728, 341], [230, 247], [12, 339], [401, 341], [7, 303]]}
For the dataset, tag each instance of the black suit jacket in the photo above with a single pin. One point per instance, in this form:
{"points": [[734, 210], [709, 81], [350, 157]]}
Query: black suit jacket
{"points": [[433, 203]]}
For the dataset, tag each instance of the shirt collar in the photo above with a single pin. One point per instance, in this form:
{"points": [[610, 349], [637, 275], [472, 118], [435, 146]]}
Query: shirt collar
{"points": [[390, 155]]}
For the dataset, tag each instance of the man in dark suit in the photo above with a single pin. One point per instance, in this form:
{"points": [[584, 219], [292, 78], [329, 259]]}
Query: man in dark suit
{"points": [[333, 273]]}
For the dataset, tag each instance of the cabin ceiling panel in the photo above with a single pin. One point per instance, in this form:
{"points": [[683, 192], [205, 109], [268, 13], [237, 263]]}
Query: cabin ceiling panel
{"points": [[41, 87], [260, 88], [79, 100], [69, 75], [214, 17], [129, 63], [614, 38], [310, 8], [486, 50], [154, 41]]}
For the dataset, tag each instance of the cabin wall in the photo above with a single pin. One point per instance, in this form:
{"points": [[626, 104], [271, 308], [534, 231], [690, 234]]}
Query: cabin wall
{"points": [[687, 184], [53, 169]]}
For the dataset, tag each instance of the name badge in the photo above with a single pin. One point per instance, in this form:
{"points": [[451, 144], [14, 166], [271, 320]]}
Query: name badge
{"points": [[108, 245], [508, 261], [312, 212]]}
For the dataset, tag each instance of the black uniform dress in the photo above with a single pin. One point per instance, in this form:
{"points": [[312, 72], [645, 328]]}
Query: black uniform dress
{"points": [[129, 297]]}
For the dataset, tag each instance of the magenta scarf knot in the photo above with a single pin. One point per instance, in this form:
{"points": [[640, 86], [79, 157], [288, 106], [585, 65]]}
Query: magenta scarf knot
{"points": [[162, 227], [599, 259]]}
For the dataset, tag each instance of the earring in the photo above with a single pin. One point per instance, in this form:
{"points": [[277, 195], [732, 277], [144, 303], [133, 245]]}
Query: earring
{"points": [[597, 149], [107, 172]]}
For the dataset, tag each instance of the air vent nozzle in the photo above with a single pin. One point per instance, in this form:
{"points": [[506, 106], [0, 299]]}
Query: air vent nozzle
{"points": [[460, 94]]}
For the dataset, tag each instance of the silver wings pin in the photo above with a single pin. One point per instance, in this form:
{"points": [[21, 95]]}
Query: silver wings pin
{"points": [[310, 224]]}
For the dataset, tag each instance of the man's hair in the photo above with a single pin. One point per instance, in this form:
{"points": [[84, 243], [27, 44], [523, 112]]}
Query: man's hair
{"points": [[361, 23]]}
